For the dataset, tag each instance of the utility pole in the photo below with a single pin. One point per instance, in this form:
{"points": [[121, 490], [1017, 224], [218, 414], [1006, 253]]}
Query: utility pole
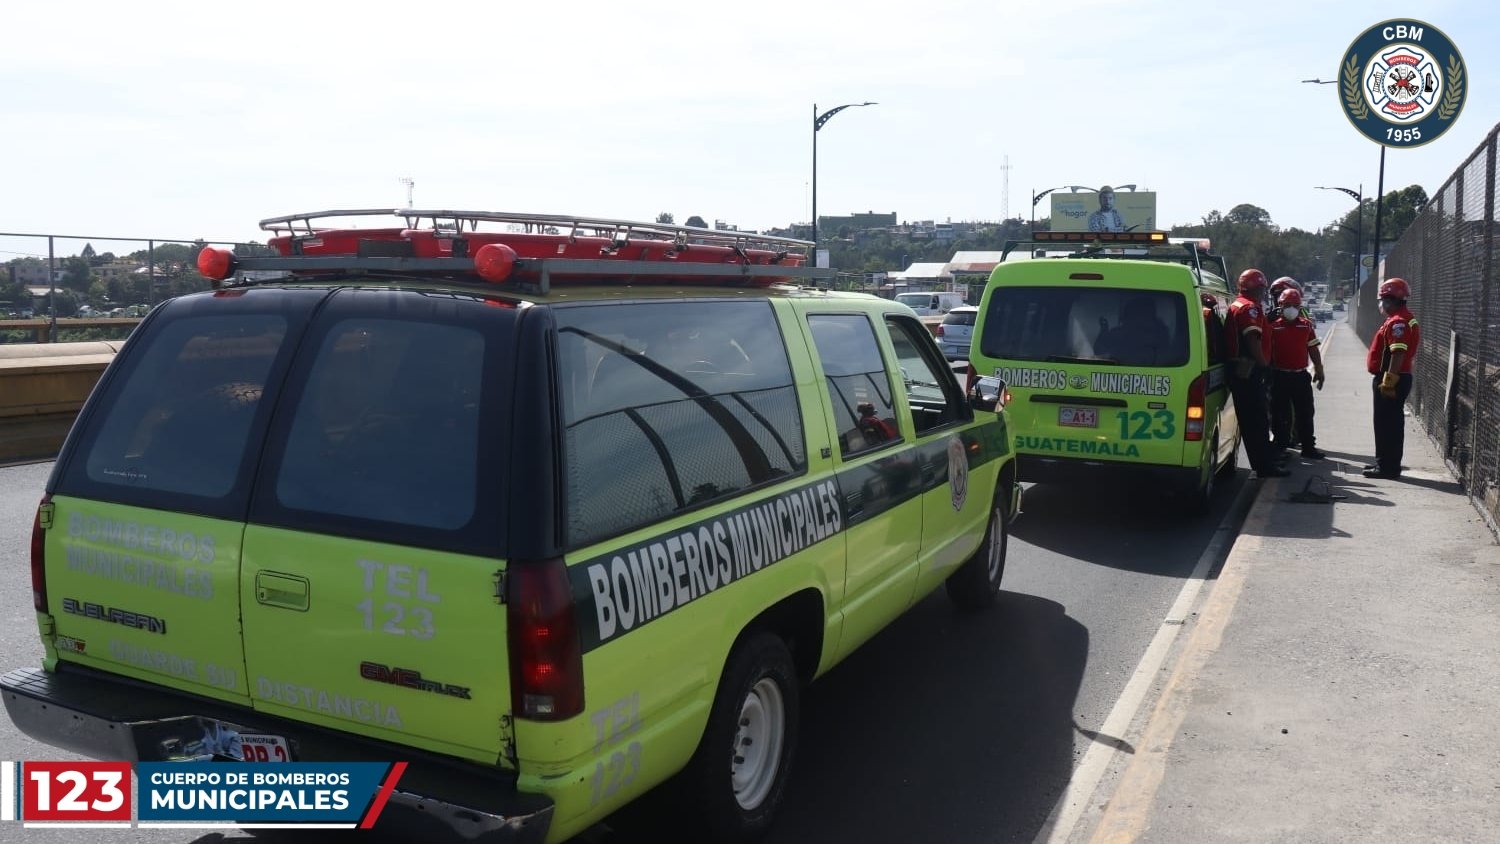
{"points": [[407, 180]]}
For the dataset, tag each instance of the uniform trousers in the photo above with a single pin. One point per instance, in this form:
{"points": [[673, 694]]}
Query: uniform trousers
{"points": [[1292, 406], [1250, 409], [1390, 425]]}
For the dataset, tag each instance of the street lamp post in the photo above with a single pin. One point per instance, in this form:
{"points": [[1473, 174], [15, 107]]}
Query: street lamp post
{"points": [[1359, 224], [1379, 195], [818, 121]]}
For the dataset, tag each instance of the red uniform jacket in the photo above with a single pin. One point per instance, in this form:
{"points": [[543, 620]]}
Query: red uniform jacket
{"points": [[1245, 315], [1399, 333], [1290, 340]]}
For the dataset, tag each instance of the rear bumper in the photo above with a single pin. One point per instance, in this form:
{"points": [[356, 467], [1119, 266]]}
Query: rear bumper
{"points": [[107, 717], [954, 351], [1068, 470]]}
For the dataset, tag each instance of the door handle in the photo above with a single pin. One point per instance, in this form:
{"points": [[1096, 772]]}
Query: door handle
{"points": [[275, 589]]}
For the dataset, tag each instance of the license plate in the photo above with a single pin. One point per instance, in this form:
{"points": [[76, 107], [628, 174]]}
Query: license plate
{"points": [[1078, 417], [262, 748]]}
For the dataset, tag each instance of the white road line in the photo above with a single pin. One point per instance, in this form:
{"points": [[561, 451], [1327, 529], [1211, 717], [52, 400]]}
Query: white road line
{"points": [[1085, 779]]}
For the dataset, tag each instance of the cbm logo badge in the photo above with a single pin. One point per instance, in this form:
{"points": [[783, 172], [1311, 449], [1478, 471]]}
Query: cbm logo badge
{"points": [[1402, 83]]}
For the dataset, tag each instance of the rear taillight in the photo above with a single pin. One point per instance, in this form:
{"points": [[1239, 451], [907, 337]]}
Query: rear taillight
{"points": [[38, 553], [940, 330], [546, 663], [1197, 399]]}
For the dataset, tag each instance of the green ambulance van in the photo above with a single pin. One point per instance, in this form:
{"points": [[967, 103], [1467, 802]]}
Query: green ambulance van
{"points": [[1112, 353], [555, 514]]}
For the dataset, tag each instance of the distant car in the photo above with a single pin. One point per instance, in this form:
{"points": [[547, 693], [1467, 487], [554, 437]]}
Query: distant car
{"points": [[1323, 314], [1338, 306], [931, 302], [954, 334]]}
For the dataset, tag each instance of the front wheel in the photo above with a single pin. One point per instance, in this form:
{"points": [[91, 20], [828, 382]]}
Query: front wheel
{"points": [[976, 583], [740, 770]]}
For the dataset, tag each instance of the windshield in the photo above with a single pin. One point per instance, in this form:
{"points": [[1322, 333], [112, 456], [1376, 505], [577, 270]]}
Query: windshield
{"points": [[1142, 328]]}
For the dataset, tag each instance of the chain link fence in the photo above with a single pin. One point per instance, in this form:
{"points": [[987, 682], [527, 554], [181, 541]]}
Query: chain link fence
{"points": [[1447, 255]]}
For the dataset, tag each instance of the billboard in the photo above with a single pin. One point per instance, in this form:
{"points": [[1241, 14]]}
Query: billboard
{"points": [[1105, 210]]}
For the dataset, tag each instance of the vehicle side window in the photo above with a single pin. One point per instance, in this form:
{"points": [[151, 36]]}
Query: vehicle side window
{"points": [[1213, 328], [668, 406], [931, 390], [863, 406], [387, 428], [177, 423]]}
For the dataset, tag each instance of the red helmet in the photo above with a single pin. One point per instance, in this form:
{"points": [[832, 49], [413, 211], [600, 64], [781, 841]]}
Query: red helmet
{"points": [[1252, 279], [1290, 298], [1395, 288]]}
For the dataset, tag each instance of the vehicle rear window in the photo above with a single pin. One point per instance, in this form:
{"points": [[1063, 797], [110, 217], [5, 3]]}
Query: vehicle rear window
{"points": [[378, 433], [917, 300], [1097, 325], [173, 424], [669, 406], [388, 426], [960, 318]]}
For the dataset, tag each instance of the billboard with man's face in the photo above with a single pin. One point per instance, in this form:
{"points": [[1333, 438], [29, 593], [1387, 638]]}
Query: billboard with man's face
{"points": [[1105, 211]]}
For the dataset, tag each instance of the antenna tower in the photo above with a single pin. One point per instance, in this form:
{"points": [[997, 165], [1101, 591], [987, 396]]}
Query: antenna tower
{"points": [[1005, 190]]}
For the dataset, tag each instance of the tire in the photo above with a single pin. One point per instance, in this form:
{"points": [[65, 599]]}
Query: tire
{"points": [[1233, 463], [1201, 496], [739, 773], [976, 584]]}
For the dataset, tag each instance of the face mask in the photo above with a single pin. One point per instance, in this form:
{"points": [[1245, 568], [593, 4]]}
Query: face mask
{"points": [[1290, 313]]}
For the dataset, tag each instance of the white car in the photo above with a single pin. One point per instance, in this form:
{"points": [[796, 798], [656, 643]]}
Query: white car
{"points": [[956, 332]]}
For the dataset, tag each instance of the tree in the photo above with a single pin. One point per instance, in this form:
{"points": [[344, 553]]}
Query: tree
{"points": [[1247, 214], [665, 218], [65, 303], [1400, 209], [77, 275], [697, 221]]}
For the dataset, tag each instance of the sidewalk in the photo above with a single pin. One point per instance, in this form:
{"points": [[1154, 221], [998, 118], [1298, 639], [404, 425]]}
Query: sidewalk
{"points": [[1341, 682]]}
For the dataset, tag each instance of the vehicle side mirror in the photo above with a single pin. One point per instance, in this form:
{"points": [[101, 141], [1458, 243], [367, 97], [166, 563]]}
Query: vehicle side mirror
{"points": [[988, 394]]}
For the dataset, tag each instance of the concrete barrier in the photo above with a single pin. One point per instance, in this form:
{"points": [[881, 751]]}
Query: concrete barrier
{"points": [[42, 387]]}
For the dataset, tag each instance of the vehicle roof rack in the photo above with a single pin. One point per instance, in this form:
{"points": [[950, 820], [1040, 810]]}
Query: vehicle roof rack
{"points": [[573, 227], [530, 254], [1141, 246]]}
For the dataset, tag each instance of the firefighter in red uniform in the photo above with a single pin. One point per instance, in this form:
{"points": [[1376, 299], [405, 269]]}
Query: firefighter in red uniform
{"points": [[1248, 345], [1294, 339], [1389, 361]]}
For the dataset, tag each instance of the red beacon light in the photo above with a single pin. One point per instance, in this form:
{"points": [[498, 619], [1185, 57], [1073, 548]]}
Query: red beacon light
{"points": [[215, 263], [494, 262]]}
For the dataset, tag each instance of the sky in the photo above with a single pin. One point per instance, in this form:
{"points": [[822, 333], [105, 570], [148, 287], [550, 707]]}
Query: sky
{"points": [[182, 120]]}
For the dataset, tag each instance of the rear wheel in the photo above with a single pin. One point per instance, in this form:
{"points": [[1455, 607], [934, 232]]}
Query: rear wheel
{"points": [[740, 769], [1201, 497], [976, 583], [1233, 462]]}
